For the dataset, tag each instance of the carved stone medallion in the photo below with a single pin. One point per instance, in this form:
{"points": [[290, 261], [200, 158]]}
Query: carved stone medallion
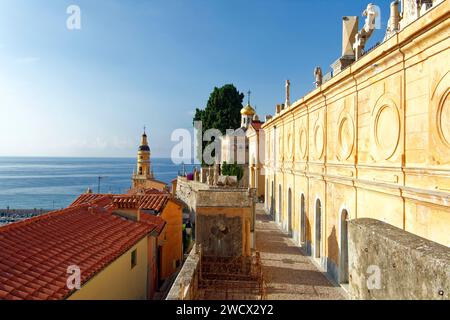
{"points": [[346, 137], [386, 129], [444, 119], [318, 140], [303, 143]]}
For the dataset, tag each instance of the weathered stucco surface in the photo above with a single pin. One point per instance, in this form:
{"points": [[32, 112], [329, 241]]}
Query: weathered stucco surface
{"points": [[220, 235], [185, 285], [224, 217], [410, 267]]}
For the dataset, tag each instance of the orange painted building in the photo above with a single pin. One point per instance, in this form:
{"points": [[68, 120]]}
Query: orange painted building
{"points": [[151, 207]]}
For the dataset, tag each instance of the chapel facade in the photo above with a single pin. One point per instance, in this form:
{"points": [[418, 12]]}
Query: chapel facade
{"points": [[372, 141]]}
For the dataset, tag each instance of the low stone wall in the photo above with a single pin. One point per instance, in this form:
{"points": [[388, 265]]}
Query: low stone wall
{"points": [[186, 283], [194, 194], [386, 262], [187, 190], [225, 197]]}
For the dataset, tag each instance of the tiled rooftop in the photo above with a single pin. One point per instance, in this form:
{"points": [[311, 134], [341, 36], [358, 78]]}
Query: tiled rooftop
{"points": [[154, 220], [155, 202], [152, 200], [36, 253], [257, 125], [99, 199], [145, 191]]}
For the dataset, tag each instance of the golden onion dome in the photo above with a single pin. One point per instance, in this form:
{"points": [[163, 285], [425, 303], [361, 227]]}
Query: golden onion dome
{"points": [[248, 110]]}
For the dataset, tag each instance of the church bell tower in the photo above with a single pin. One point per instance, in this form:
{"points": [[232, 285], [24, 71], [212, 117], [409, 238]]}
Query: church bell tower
{"points": [[143, 161], [143, 178]]}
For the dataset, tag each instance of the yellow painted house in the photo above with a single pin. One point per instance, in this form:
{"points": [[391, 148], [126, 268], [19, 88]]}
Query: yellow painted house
{"points": [[123, 279], [86, 251]]}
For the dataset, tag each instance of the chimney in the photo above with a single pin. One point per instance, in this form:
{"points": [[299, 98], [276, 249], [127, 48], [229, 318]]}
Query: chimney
{"points": [[349, 31], [278, 108], [394, 20]]}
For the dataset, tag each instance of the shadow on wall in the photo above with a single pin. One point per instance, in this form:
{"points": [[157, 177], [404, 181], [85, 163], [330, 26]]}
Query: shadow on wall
{"points": [[332, 256], [333, 246], [308, 237]]}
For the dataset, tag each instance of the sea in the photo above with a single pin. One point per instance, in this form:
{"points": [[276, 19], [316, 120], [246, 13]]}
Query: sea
{"points": [[54, 183]]}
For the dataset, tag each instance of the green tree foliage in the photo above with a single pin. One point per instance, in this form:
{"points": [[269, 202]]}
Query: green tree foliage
{"points": [[222, 111], [232, 170]]}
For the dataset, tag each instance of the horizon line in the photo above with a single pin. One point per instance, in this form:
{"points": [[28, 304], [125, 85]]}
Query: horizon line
{"points": [[88, 157]]}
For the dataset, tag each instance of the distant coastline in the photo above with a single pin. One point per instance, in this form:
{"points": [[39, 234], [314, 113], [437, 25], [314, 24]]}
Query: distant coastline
{"points": [[52, 183], [23, 211], [8, 216]]}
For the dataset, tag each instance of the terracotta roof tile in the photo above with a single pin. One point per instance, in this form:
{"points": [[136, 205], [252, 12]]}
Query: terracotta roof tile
{"points": [[154, 201], [36, 252], [141, 191], [101, 200], [155, 220], [257, 125]]}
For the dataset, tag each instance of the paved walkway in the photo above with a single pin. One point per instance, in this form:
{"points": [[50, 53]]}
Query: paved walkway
{"points": [[288, 273]]}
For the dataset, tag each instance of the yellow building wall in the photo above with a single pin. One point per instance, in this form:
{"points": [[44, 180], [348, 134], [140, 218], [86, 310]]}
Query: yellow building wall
{"points": [[118, 281], [374, 140], [172, 249], [256, 161]]}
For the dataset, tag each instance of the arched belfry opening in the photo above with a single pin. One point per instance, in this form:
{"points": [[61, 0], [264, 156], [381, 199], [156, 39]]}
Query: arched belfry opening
{"points": [[343, 247], [318, 230]]}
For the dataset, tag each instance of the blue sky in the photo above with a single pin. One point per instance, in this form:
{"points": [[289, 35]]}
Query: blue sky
{"points": [[89, 92]]}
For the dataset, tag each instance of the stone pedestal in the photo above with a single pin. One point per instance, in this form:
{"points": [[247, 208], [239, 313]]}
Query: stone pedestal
{"points": [[342, 63]]}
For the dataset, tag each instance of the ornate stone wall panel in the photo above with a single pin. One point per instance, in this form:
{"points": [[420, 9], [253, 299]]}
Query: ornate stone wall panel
{"points": [[290, 139], [317, 142], [386, 123], [346, 136], [280, 143], [303, 138], [396, 99], [346, 132], [333, 110], [364, 123], [439, 117]]}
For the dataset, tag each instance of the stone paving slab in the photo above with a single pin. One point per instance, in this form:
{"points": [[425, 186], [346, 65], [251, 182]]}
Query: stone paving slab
{"points": [[289, 274]]}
